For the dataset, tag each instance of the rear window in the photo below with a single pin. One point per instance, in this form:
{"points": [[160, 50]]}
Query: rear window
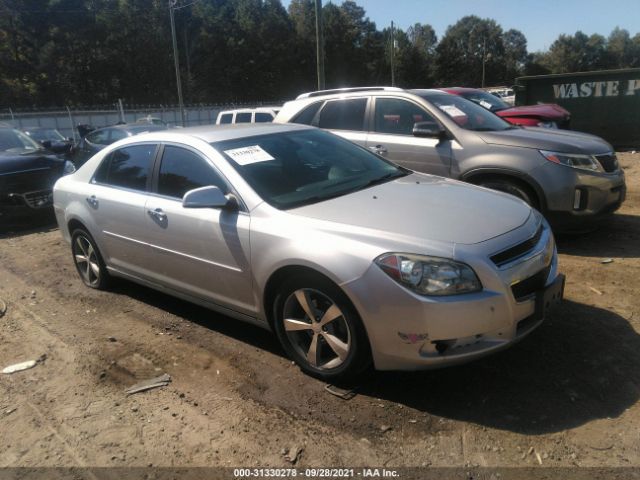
{"points": [[343, 114], [127, 167]]}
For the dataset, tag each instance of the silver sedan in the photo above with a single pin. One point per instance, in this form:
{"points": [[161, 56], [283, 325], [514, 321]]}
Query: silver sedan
{"points": [[350, 259]]}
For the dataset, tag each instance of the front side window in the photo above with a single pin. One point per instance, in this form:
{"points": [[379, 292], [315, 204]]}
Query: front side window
{"points": [[343, 114], [127, 167], [296, 168], [396, 116], [182, 170]]}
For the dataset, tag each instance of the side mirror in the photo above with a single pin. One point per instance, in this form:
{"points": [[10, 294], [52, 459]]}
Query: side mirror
{"points": [[209, 197], [429, 130]]}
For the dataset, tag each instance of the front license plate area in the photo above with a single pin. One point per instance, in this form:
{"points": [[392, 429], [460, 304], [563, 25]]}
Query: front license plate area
{"points": [[548, 299]]}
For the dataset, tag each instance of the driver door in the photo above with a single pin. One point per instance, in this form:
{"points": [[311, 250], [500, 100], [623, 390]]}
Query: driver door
{"points": [[391, 135], [203, 252]]}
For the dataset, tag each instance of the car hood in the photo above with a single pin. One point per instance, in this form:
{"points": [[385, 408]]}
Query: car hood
{"points": [[548, 111], [425, 207], [565, 141], [11, 162]]}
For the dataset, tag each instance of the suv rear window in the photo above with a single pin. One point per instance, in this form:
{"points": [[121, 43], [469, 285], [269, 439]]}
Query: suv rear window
{"points": [[343, 114], [263, 117], [307, 115], [226, 118], [244, 117]]}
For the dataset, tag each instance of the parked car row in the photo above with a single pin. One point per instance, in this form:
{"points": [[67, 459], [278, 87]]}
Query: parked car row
{"points": [[350, 226]]}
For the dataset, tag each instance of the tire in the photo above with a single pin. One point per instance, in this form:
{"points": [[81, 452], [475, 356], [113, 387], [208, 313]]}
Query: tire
{"points": [[88, 260], [311, 310], [511, 187]]}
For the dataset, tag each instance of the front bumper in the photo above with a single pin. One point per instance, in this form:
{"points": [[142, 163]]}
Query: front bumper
{"points": [[576, 198], [412, 332], [22, 206]]}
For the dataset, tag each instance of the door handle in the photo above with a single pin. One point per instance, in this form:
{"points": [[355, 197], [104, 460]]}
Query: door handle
{"points": [[93, 201], [158, 214], [379, 149]]}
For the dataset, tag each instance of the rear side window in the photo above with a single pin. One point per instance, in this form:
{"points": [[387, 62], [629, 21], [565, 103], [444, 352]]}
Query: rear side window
{"points": [[244, 117], [127, 167], [343, 114], [307, 115], [182, 170], [226, 118], [262, 117]]}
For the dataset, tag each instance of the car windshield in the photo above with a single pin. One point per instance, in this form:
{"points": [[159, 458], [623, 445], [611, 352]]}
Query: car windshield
{"points": [[43, 134], [298, 168], [15, 141], [486, 100], [467, 114]]}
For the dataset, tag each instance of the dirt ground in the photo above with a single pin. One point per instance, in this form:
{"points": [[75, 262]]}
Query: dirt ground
{"points": [[566, 396]]}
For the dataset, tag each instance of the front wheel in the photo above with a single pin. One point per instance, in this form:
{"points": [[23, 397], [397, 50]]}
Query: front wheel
{"points": [[512, 188], [320, 330]]}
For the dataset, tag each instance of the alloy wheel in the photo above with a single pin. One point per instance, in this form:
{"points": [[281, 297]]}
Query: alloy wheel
{"points": [[316, 328], [86, 260]]}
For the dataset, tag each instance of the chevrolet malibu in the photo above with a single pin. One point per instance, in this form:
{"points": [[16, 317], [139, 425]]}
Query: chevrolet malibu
{"points": [[350, 259]]}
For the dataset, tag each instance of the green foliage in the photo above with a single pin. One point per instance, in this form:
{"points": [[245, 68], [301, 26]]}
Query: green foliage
{"points": [[92, 52]]}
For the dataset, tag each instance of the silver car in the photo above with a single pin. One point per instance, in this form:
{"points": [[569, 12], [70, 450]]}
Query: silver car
{"points": [[350, 259], [572, 178]]}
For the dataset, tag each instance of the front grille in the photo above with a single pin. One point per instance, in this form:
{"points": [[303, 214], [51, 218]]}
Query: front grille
{"points": [[517, 251], [40, 199], [531, 285], [27, 181], [609, 162]]}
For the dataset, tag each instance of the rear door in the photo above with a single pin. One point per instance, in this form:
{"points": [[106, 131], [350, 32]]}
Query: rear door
{"points": [[345, 117], [203, 252], [392, 137], [118, 197]]}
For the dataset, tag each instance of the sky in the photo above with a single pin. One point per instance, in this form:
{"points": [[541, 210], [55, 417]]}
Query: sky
{"points": [[541, 21]]}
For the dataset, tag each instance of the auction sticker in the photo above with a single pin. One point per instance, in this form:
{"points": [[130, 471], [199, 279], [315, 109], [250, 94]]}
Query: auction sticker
{"points": [[452, 111], [247, 155]]}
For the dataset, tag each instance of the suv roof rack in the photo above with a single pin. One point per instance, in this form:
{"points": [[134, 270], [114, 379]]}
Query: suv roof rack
{"points": [[319, 93]]}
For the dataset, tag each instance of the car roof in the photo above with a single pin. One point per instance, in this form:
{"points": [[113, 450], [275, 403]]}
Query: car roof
{"points": [[133, 127], [218, 133], [429, 92]]}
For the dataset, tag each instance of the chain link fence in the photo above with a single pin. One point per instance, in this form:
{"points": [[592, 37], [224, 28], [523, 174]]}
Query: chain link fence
{"points": [[66, 120]]}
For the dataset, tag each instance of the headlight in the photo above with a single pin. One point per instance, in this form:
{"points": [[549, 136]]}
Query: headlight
{"points": [[547, 124], [574, 160], [69, 168], [429, 275]]}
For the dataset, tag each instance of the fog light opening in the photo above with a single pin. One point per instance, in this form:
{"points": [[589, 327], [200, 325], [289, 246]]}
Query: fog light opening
{"points": [[441, 347], [576, 199]]}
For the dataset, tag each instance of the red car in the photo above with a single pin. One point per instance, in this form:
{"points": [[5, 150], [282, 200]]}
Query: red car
{"points": [[547, 115]]}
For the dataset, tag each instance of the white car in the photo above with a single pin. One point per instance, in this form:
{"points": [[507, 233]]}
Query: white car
{"points": [[247, 115]]}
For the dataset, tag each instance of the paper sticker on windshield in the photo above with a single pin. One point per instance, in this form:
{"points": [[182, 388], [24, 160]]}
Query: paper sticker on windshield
{"points": [[248, 155], [452, 111], [485, 104]]}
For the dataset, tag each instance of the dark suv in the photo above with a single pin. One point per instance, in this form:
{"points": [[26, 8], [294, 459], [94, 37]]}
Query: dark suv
{"points": [[570, 177]]}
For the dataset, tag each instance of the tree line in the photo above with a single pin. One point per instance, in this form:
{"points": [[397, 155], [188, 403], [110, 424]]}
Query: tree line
{"points": [[92, 52]]}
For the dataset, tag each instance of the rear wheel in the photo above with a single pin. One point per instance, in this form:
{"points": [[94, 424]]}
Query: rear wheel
{"points": [[88, 260], [320, 330]]}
